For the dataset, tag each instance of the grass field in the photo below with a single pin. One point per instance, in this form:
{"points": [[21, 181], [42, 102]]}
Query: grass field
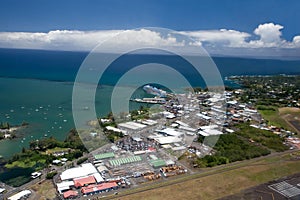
{"points": [[281, 117], [27, 163], [291, 114], [274, 117], [224, 181]]}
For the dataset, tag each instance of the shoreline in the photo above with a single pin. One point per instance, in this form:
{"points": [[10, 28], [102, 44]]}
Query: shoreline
{"points": [[225, 78]]}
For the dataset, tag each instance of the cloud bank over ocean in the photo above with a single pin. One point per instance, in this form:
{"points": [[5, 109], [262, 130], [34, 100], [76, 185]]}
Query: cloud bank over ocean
{"points": [[266, 39]]}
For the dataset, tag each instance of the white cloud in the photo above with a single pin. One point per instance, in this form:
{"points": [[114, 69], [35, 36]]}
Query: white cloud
{"points": [[83, 40], [230, 38], [269, 36], [59, 39]]}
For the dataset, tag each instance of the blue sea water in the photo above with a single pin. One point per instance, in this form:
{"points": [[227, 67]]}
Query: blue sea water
{"points": [[36, 87]]}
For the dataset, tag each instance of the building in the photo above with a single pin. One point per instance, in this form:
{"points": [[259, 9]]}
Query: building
{"points": [[110, 128], [21, 195], [162, 140], [63, 186], [209, 130], [70, 194], [77, 172], [123, 161], [94, 189], [80, 182], [104, 156], [157, 163], [2, 190], [131, 126], [170, 132]]}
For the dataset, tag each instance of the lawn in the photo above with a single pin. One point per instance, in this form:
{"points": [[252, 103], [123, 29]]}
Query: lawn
{"points": [[273, 116], [27, 163]]}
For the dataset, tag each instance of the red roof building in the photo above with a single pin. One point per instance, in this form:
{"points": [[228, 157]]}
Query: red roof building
{"points": [[151, 149], [99, 188], [80, 182], [70, 194]]}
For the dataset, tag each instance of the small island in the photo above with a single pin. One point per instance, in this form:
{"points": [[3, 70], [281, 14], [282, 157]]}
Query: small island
{"points": [[7, 131]]}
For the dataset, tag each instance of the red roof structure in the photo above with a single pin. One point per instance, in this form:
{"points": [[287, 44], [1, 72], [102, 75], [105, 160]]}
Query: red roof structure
{"points": [[99, 187], [70, 193], [80, 182], [151, 149]]}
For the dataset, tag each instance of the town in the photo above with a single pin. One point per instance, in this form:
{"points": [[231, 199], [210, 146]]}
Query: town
{"points": [[185, 134]]}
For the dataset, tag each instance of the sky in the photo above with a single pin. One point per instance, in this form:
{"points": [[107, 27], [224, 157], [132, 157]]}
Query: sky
{"points": [[229, 27]]}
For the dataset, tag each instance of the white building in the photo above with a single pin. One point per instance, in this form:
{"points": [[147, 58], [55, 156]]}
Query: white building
{"points": [[65, 185], [131, 126], [77, 172], [20, 195], [170, 132]]}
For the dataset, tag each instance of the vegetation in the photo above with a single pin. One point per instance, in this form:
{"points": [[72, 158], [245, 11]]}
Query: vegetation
{"points": [[263, 137], [81, 160], [40, 154], [28, 159], [142, 113], [4, 125], [50, 175], [110, 121], [113, 136], [231, 148], [277, 91]]}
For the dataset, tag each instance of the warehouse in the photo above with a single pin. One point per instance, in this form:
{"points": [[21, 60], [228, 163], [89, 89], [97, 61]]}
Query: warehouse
{"points": [[170, 132], [110, 128], [65, 185], [123, 161], [21, 195], [104, 156], [70, 194], [77, 172], [157, 163], [80, 182], [131, 126], [94, 189], [165, 139]]}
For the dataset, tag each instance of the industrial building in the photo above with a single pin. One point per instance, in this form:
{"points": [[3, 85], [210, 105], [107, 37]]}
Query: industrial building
{"points": [[70, 194], [104, 156], [94, 189], [131, 126], [21, 195], [77, 172]]}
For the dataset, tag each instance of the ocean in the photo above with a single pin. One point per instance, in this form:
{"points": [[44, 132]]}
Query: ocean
{"points": [[36, 87]]}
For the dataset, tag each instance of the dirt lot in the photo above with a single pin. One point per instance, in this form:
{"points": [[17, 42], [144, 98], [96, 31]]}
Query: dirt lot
{"points": [[43, 190]]}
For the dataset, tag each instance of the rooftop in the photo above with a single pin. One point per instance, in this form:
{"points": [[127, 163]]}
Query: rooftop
{"points": [[100, 187], [77, 172], [104, 155]]}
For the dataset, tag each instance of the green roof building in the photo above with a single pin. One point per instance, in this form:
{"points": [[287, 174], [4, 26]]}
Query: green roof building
{"points": [[104, 156]]}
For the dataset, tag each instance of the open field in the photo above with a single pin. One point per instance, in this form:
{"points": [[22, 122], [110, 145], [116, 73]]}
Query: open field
{"points": [[274, 117], [220, 181], [292, 117], [264, 191], [43, 190], [286, 117]]}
